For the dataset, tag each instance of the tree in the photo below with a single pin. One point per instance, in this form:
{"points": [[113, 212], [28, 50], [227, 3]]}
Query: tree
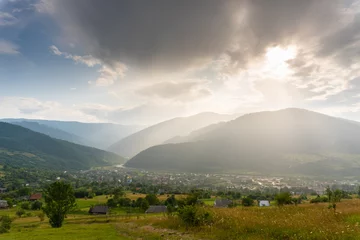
{"points": [[20, 212], [59, 200], [152, 199], [25, 205], [25, 191], [5, 224], [36, 205], [111, 203], [142, 203], [283, 198], [247, 202]]}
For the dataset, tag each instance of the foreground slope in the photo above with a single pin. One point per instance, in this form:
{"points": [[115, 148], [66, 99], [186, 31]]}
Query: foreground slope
{"points": [[21, 147], [99, 135], [161, 132], [291, 141]]}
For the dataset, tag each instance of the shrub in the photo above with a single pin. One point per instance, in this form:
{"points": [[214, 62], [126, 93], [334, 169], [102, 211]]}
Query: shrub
{"points": [[283, 198], [111, 202], [193, 216], [5, 224], [20, 212], [319, 199], [36, 205], [247, 202], [25, 205], [28, 214], [41, 216]]}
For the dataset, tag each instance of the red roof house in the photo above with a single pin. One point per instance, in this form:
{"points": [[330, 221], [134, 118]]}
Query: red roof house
{"points": [[35, 196]]}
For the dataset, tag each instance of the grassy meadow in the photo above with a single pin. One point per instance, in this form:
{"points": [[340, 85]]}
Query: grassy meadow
{"points": [[305, 221]]}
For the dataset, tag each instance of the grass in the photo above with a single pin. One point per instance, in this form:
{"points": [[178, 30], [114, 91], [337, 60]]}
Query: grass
{"points": [[305, 221], [32, 229], [208, 201]]}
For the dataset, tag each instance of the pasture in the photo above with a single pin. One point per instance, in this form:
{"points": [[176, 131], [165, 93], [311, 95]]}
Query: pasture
{"points": [[305, 221]]}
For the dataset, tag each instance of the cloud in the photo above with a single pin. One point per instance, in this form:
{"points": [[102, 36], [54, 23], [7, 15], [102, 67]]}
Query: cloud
{"points": [[88, 60], [26, 105], [163, 35], [183, 92], [8, 48], [6, 19], [143, 114], [21, 107], [108, 74]]}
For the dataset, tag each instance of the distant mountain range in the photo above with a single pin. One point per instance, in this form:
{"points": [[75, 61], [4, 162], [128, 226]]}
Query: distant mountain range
{"points": [[22, 147], [289, 141], [164, 131], [99, 135]]}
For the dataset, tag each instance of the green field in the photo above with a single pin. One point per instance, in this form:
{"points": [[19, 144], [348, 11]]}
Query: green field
{"points": [[305, 221]]}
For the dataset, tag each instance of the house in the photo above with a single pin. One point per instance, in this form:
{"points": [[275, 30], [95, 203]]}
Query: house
{"points": [[4, 204], [2, 190], [264, 203], [35, 197], [222, 203], [99, 210], [157, 209]]}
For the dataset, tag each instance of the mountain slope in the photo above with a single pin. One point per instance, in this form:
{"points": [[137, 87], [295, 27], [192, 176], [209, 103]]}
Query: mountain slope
{"points": [[99, 135], [193, 136], [52, 132], [163, 131], [291, 141], [21, 147]]}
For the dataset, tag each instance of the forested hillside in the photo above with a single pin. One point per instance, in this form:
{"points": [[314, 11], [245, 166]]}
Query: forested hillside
{"points": [[22, 147]]}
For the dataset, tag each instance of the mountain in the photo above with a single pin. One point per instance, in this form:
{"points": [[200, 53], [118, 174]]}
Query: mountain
{"points": [[193, 136], [289, 141], [21, 147], [161, 132], [99, 135], [52, 132]]}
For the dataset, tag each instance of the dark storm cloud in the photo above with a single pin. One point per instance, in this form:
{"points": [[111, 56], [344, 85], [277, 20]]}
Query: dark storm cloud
{"points": [[344, 43], [171, 35], [156, 34]]}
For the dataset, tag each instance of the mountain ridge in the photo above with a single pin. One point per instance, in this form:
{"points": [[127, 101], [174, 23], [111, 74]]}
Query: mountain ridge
{"points": [[291, 140], [163, 131], [22, 147]]}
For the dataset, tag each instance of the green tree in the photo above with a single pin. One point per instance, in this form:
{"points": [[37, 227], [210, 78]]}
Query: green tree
{"points": [[152, 199], [142, 203], [247, 202], [20, 212], [36, 205], [59, 200], [5, 224], [283, 198], [25, 191], [25, 205], [111, 203]]}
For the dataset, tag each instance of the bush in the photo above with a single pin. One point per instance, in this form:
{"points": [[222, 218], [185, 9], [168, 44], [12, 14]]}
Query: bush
{"points": [[247, 202], [36, 205], [25, 205], [20, 212], [319, 199], [41, 216], [5, 224], [283, 198], [193, 216], [111, 203], [28, 214]]}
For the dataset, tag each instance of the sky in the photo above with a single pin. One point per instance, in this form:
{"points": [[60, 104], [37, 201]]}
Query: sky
{"points": [[141, 62]]}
